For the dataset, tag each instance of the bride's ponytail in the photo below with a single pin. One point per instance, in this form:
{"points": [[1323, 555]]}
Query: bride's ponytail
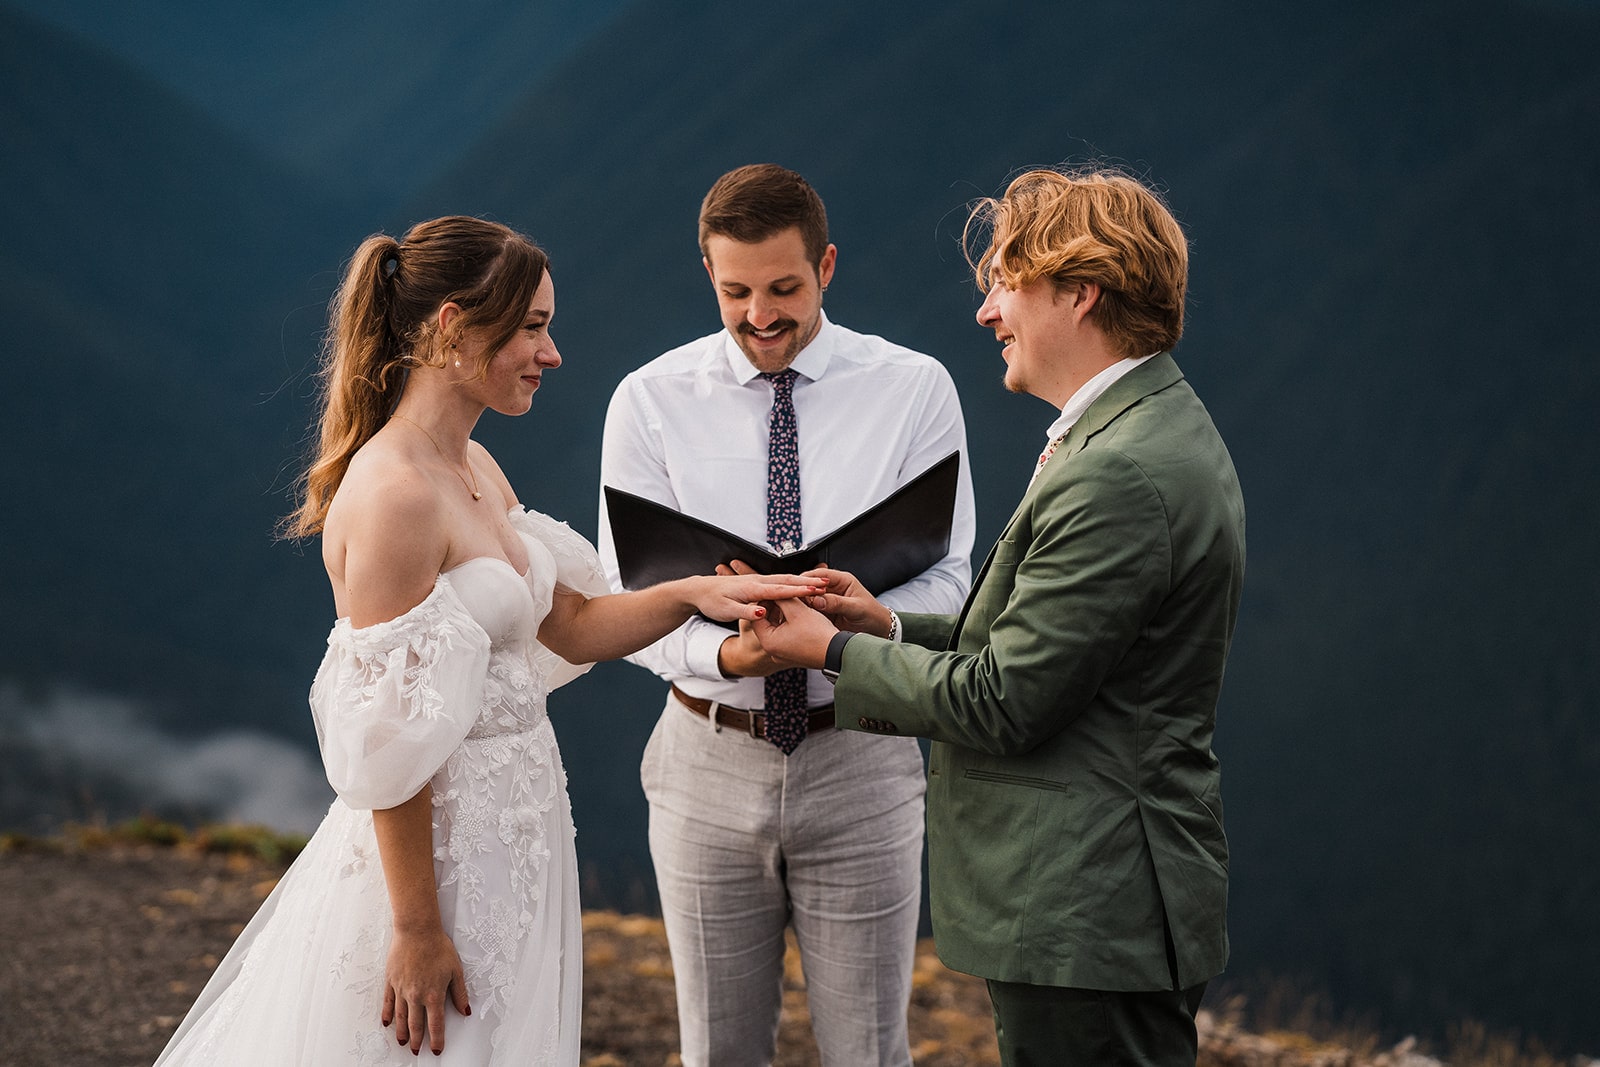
{"points": [[382, 324]]}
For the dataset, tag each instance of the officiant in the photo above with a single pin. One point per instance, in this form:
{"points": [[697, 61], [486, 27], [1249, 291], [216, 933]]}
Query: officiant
{"points": [[780, 426]]}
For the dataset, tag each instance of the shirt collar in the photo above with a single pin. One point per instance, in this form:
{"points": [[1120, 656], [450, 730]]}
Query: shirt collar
{"points": [[811, 363], [1089, 392]]}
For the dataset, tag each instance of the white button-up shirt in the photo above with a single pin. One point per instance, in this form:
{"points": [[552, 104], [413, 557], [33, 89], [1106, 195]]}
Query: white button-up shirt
{"points": [[689, 430], [1088, 393]]}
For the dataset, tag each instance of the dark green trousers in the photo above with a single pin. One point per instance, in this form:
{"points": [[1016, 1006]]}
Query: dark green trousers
{"points": [[1053, 1026]]}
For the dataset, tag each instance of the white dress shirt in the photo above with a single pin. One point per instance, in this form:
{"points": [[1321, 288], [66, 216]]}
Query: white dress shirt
{"points": [[689, 430], [1088, 393]]}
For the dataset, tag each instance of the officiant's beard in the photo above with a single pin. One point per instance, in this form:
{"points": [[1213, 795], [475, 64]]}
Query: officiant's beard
{"points": [[769, 359]]}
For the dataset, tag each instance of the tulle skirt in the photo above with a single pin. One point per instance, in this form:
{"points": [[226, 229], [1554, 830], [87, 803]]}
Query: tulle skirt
{"points": [[303, 984]]}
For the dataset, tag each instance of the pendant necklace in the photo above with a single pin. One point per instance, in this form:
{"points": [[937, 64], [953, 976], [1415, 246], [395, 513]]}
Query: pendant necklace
{"points": [[472, 487]]}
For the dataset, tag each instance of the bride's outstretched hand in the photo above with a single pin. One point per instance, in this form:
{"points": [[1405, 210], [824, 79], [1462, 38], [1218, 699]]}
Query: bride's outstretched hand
{"points": [[731, 597], [845, 601]]}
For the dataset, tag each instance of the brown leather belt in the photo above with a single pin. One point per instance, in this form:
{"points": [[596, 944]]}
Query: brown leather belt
{"points": [[753, 723]]}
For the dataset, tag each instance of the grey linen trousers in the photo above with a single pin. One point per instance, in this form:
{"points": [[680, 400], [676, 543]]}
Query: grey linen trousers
{"points": [[746, 841]]}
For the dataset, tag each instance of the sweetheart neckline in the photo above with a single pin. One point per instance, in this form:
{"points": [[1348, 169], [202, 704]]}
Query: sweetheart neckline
{"points": [[493, 559]]}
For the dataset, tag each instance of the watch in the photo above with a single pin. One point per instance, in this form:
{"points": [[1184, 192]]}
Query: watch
{"points": [[834, 660]]}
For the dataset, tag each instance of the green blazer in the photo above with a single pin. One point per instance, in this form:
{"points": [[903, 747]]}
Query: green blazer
{"points": [[1074, 811]]}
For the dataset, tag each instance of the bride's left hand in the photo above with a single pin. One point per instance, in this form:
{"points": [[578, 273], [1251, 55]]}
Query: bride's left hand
{"points": [[731, 597]]}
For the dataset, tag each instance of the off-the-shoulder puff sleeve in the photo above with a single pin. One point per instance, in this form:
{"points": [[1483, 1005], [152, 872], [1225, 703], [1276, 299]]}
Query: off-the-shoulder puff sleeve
{"points": [[578, 570], [392, 701]]}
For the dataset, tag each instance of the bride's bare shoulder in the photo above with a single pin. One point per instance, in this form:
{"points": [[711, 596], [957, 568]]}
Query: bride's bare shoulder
{"points": [[385, 511], [384, 484]]}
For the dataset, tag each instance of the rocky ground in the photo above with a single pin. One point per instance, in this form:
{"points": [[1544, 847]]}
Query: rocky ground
{"points": [[105, 947]]}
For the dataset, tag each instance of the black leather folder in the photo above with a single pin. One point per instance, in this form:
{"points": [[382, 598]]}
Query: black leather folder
{"points": [[890, 543]]}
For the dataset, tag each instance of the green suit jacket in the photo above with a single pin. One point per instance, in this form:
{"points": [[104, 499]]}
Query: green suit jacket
{"points": [[1074, 810]]}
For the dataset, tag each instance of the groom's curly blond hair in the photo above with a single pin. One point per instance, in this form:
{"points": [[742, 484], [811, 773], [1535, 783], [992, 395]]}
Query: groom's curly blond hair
{"points": [[1089, 225]]}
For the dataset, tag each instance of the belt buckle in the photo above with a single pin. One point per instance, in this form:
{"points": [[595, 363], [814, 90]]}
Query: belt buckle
{"points": [[751, 724]]}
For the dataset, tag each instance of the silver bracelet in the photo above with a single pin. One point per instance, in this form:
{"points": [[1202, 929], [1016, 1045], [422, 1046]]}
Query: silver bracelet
{"points": [[894, 626]]}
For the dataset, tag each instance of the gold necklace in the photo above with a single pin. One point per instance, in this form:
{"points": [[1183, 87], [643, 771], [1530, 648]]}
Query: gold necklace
{"points": [[472, 487]]}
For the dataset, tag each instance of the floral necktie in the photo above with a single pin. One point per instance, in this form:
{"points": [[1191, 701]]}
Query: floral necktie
{"points": [[785, 690], [1044, 457]]}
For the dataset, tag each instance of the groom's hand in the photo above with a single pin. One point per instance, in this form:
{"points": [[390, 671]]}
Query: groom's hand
{"points": [[741, 656], [795, 633], [848, 605]]}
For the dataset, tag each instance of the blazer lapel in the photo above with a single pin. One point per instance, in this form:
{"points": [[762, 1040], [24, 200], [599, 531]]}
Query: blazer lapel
{"points": [[1149, 377], [972, 593]]}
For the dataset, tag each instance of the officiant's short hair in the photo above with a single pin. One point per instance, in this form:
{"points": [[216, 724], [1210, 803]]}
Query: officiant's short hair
{"points": [[755, 202], [1090, 225]]}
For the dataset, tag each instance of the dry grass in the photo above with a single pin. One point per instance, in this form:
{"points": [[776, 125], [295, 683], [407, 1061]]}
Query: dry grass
{"points": [[152, 907], [630, 1016], [263, 843]]}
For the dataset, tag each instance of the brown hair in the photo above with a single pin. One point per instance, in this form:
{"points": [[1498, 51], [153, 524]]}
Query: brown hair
{"points": [[381, 324], [1090, 225], [755, 202]]}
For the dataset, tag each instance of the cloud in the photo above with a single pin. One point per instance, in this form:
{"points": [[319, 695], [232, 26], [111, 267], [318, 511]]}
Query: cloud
{"points": [[71, 755]]}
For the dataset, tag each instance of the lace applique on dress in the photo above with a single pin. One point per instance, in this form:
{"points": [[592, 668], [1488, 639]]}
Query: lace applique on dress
{"points": [[451, 695], [392, 701], [578, 567]]}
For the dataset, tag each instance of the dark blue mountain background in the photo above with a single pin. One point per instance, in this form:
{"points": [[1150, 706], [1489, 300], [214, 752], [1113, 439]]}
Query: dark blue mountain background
{"points": [[166, 283], [375, 102], [1392, 210]]}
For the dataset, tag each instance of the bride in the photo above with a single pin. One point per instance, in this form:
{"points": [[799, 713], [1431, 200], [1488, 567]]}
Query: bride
{"points": [[440, 892]]}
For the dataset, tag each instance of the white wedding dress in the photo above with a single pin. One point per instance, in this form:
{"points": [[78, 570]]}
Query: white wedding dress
{"points": [[451, 692]]}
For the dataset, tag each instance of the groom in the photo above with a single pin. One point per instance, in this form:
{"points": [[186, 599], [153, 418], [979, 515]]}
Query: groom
{"points": [[1076, 852]]}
